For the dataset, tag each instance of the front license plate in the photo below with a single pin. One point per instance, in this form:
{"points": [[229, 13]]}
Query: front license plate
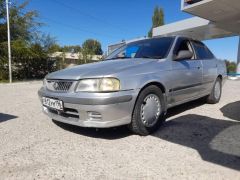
{"points": [[52, 103]]}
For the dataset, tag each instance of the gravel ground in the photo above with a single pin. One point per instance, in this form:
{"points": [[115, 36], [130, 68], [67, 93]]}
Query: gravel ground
{"points": [[198, 141]]}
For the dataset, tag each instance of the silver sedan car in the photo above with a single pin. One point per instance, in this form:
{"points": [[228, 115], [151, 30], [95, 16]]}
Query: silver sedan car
{"points": [[135, 85]]}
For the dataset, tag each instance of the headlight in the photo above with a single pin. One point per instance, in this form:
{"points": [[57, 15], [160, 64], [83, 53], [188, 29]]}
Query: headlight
{"points": [[98, 85]]}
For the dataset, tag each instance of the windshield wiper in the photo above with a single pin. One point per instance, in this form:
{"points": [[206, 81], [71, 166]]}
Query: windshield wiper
{"points": [[151, 57], [145, 57], [118, 58]]}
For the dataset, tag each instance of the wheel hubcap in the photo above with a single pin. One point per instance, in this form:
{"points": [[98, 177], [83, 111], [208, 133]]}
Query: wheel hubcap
{"points": [[150, 110], [217, 90]]}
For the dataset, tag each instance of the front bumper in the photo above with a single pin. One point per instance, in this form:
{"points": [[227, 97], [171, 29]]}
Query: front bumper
{"points": [[99, 110]]}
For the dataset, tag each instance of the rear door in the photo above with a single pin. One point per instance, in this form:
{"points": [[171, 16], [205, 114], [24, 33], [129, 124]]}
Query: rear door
{"points": [[209, 65], [186, 74]]}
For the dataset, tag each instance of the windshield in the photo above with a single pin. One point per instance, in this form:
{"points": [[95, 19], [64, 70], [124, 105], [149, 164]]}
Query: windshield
{"points": [[156, 48]]}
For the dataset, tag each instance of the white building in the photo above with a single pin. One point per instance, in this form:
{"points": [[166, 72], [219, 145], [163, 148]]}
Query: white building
{"points": [[73, 58]]}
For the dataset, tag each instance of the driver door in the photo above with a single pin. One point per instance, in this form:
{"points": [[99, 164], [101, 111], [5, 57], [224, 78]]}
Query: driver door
{"points": [[187, 74]]}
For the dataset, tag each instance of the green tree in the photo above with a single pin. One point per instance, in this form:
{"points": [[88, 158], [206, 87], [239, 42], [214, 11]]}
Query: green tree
{"points": [[231, 66], [54, 48], [157, 19], [29, 46], [22, 24], [74, 49], [92, 47], [89, 48]]}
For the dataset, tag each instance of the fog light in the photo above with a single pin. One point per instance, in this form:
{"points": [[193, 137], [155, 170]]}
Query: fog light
{"points": [[94, 116]]}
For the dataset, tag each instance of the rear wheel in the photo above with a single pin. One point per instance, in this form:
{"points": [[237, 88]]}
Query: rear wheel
{"points": [[148, 113], [216, 93]]}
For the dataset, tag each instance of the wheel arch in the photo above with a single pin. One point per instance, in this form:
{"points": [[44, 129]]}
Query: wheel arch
{"points": [[160, 86], [155, 83]]}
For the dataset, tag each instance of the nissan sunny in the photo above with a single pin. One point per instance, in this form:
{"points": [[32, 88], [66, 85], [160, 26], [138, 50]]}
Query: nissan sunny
{"points": [[135, 85]]}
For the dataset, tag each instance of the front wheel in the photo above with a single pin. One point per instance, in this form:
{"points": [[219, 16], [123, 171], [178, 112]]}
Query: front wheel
{"points": [[148, 113], [216, 93]]}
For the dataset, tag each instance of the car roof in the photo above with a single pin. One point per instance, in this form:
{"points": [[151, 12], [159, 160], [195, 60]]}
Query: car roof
{"points": [[153, 38], [171, 36]]}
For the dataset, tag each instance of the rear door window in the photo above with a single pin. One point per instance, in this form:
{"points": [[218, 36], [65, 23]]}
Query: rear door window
{"points": [[202, 51]]}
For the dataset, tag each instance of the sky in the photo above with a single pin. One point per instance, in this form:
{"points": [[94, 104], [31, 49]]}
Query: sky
{"points": [[71, 22]]}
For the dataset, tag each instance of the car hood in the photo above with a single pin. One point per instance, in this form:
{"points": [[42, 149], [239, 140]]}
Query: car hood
{"points": [[99, 69]]}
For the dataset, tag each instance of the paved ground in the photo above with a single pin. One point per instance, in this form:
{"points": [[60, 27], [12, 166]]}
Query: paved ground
{"points": [[199, 141]]}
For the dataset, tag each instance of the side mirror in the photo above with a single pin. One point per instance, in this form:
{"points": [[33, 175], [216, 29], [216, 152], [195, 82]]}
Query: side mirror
{"points": [[184, 54]]}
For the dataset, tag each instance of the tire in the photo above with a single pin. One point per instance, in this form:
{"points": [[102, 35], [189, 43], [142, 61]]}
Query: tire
{"points": [[149, 102], [216, 92]]}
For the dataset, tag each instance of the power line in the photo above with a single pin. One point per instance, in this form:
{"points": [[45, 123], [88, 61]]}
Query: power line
{"points": [[90, 16], [79, 28]]}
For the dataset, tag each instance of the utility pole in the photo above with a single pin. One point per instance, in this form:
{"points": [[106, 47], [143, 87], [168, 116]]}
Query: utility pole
{"points": [[238, 60], [9, 44]]}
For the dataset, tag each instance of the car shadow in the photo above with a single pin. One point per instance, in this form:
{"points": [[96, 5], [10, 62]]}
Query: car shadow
{"points": [[106, 133], [232, 110], [185, 107], [6, 117], [121, 131], [216, 141]]}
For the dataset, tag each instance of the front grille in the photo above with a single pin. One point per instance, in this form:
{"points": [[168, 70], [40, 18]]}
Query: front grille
{"points": [[59, 85]]}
